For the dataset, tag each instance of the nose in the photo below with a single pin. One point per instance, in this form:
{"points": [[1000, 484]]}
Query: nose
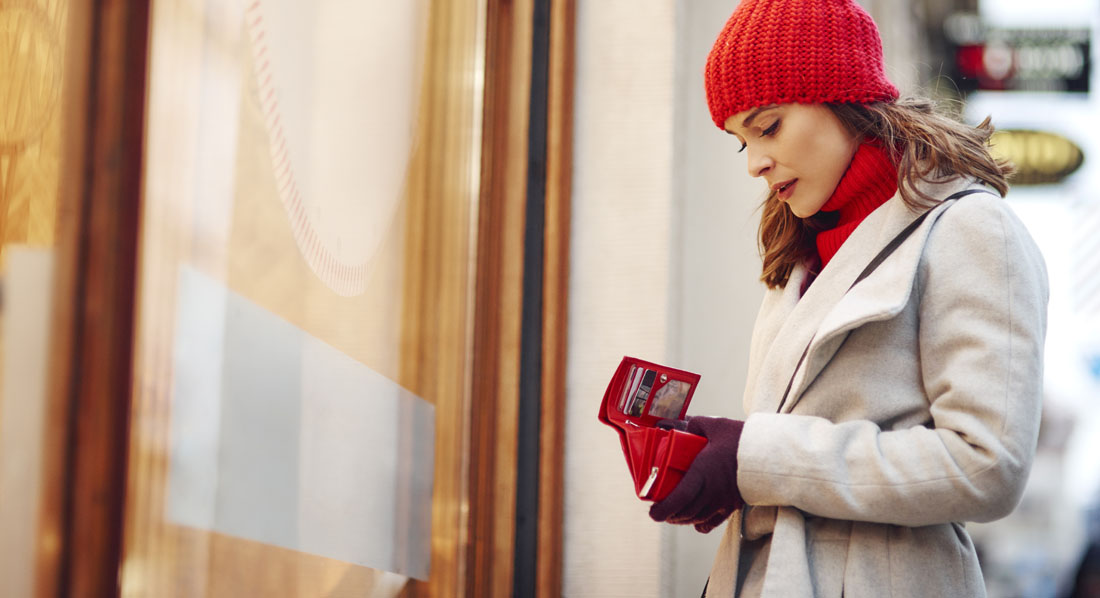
{"points": [[759, 162]]}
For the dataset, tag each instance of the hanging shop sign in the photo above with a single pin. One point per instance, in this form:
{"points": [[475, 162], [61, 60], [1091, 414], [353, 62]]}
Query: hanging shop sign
{"points": [[1047, 59], [1040, 157]]}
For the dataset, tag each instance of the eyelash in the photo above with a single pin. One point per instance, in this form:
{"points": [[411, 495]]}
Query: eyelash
{"points": [[766, 132]]}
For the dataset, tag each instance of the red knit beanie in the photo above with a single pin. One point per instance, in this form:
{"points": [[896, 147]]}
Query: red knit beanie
{"points": [[795, 51]]}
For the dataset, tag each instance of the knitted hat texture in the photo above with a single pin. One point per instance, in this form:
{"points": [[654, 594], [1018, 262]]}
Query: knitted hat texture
{"points": [[795, 51]]}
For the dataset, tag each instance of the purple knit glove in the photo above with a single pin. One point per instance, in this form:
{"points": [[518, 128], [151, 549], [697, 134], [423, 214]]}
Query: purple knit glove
{"points": [[708, 493]]}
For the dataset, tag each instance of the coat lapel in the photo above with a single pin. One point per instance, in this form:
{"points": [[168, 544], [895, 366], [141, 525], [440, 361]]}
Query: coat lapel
{"points": [[829, 311], [802, 317]]}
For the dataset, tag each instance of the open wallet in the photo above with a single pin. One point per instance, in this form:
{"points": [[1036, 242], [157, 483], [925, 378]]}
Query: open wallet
{"points": [[641, 394]]}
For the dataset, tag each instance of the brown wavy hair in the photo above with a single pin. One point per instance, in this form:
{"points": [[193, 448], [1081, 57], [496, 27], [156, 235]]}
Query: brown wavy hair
{"points": [[925, 145]]}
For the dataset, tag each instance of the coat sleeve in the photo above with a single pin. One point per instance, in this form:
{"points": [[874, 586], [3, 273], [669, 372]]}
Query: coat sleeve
{"points": [[982, 288]]}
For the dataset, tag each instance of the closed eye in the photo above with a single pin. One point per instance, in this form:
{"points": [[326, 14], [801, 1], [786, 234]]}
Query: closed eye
{"points": [[743, 146], [770, 130]]}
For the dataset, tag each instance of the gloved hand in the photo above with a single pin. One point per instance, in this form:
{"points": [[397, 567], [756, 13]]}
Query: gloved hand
{"points": [[708, 492], [674, 424]]}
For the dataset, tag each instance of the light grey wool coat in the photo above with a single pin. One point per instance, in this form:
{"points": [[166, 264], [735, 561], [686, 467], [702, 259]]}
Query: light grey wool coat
{"points": [[916, 409]]}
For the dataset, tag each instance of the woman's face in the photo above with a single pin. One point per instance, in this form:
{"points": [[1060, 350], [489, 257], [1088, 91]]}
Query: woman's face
{"points": [[801, 150]]}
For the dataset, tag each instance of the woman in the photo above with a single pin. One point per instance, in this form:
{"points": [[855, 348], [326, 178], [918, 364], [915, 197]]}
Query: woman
{"points": [[896, 364]]}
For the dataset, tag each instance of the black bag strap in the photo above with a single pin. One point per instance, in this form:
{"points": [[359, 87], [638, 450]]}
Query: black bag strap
{"points": [[874, 263]]}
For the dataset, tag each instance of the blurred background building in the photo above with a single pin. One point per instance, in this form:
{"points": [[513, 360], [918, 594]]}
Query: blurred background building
{"points": [[320, 299]]}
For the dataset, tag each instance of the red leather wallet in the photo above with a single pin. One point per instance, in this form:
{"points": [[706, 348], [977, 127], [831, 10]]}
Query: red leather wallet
{"points": [[639, 395]]}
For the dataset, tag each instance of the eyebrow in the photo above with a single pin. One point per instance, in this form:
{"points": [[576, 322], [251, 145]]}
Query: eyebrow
{"points": [[748, 121]]}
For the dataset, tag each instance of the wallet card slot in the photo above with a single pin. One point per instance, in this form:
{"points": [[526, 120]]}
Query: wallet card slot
{"points": [[643, 393], [624, 392], [641, 389]]}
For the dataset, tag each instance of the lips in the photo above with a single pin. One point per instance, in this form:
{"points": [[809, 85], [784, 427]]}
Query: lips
{"points": [[785, 189]]}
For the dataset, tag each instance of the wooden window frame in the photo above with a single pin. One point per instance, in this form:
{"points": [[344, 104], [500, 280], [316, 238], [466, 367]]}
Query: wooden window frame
{"points": [[85, 452], [503, 351], [99, 200]]}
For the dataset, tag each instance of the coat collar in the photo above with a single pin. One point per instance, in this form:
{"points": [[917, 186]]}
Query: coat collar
{"points": [[829, 310]]}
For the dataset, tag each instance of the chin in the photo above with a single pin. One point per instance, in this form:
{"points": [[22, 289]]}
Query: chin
{"points": [[806, 208], [798, 212]]}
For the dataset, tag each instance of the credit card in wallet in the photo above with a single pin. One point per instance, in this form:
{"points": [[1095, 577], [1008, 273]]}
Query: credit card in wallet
{"points": [[626, 390], [632, 387], [642, 396]]}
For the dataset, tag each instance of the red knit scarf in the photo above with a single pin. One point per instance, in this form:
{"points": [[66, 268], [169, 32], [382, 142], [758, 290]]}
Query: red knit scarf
{"points": [[871, 179]]}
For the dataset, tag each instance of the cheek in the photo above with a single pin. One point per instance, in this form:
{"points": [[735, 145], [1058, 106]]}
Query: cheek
{"points": [[837, 166], [834, 155]]}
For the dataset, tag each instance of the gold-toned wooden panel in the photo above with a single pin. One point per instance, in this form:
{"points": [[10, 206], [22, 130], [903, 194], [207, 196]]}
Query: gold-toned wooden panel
{"points": [[436, 326], [559, 176], [499, 299], [32, 51]]}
